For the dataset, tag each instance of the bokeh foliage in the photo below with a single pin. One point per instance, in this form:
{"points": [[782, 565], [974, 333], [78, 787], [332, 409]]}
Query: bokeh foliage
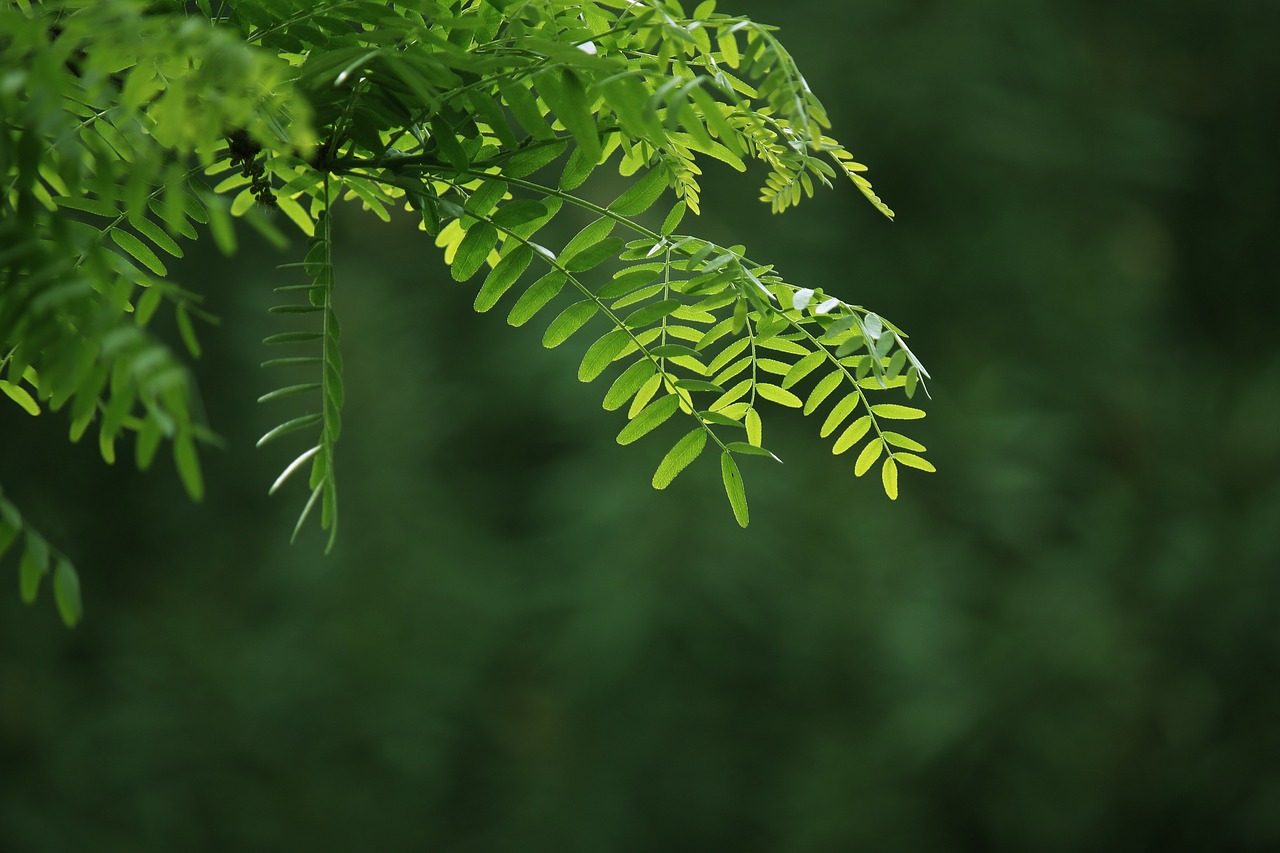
{"points": [[1065, 641]]}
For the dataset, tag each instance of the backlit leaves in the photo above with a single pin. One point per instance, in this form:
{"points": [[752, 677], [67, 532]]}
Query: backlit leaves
{"points": [[485, 125]]}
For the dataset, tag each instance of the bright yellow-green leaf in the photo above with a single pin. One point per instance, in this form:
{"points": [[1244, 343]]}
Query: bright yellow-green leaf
{"points": [[822, 391], [755, 428], [841, 411], [889, 477], [679, 457], [649, 418], [868, 456], [900, 440], [775, 394], [896, 412], [20, 396], [913, 461], [852, 435]]}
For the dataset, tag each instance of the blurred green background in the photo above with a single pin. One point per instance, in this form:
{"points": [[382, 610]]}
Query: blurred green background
{"points": [[1065, 640]]}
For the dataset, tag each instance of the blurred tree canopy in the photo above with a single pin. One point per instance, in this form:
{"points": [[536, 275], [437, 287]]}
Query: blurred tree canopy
{"points": [[1070, 644]]}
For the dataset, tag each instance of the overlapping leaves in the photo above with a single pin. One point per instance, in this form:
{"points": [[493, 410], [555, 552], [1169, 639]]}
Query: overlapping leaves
{"points": [[130, 127]]}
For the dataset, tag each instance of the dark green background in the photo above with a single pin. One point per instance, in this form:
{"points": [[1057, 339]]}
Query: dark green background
{"points": [[1065, 640]]}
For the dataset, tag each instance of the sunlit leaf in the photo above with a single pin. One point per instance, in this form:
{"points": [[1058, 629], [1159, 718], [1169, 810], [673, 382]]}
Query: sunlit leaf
{"points": [[679, 457]]}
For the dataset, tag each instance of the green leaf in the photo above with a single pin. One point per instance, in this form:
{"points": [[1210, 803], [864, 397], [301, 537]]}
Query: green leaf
{"points": [[889, 477], [568, 100], [627, 281], [679, 457], [518, 213], [672, 222], [569, 321], [899, 440], [447, 141], [66, 593], [89, 205], [651, 313], [737, 392], [673, 351], [804, 367], [530, 161], [868, 456], [822, 391], [20, 396], [139, 251], [591, 257], [588, 236], [734, 488], [628, 383], [841, 411], [578, 168], [30, 572], [896, 412], [186, 331], [287, 427], [188, 464], [913, 461], [778, 395], [602, 353], [536, 297], [642, 194], [473, 250], [755, 427], [502, 276], [33, 566], [852, 434], [750, 450], [650, 418], [156, 235]]}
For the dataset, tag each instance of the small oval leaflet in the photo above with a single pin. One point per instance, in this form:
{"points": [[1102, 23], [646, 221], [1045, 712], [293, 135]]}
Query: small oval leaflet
{"points": [[651, 313], [502, 276], [776, 394], [649, 418], [642, 194], [868, 457], [592, 256], [139, 251], [822, 391], [803, 368], [889, 477], [472, 251], [913, 461], [841, 411], [628, 383], [20, 396], [535, 298], [852, 435], [897, 412], [733, 488], [601, 354], [899, 440], [679, 457], [569, 321], [66, 593], [518, 213], [755, 427]]}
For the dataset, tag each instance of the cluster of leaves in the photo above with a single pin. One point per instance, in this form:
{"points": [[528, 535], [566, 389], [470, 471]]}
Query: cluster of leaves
{"points": [[130, 127]]}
